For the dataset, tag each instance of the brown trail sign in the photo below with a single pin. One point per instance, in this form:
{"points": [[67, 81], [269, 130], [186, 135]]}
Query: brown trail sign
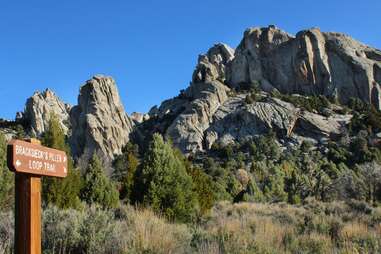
{"points": [[29, 160], [26, 157]]}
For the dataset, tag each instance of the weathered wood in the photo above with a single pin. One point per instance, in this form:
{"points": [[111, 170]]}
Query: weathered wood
{"points": [[28, 212]]}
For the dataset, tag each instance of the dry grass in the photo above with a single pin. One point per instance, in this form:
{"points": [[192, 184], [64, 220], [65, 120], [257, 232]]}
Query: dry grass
{"points": [[149, 233], [355, 229], [282, 228], [240, 229]]}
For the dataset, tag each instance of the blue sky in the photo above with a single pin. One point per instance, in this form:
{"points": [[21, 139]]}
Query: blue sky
{"points": [[149, 47]]}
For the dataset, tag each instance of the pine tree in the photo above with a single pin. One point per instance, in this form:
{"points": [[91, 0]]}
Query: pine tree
{"points": [[6, 178], [97, 187], [163, 183], [63, 193]]}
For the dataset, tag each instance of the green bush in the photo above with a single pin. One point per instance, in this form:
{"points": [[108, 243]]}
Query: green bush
{"points": [[6, 232]]}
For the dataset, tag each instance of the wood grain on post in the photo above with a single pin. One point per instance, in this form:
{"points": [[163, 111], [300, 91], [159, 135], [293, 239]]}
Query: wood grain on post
{"points": [[28, 212]]}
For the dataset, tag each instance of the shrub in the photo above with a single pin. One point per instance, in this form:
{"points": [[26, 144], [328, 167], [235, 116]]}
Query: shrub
{"points": [[6, 232], [100, 232], [6, 178], [58, 223]]}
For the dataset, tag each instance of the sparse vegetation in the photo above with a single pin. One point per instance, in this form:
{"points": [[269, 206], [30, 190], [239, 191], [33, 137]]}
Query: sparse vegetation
{"points": [[310, 103]]}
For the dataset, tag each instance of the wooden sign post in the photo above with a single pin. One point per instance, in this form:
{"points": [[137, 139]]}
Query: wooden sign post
{"points": [[29, 160]]}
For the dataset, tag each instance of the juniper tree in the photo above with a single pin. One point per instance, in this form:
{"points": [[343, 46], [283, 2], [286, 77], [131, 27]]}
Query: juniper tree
{"points": [[163, 183], [97, 187], [63, 193], [125, 166]]}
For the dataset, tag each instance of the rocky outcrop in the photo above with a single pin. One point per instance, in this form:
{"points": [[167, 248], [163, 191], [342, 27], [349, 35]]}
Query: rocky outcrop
{"points": [[99, 122], [184, 118], [187, 129], [38, 110], [192, 111], [235, 121], [139, 117], [312, 62], [213, 108]]}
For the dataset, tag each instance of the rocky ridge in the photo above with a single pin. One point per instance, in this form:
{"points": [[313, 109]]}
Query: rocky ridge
{"points": [[214, 108], [97, 124]]}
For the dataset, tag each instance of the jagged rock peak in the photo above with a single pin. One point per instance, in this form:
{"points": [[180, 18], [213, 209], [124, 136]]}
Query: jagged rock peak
{"points": [[40, 107], [211, 66], [99, 122], [263, 38]]}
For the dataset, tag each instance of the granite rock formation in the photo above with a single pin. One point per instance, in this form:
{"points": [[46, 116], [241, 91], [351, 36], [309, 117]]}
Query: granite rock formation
{"points": [[212, 109], [311, 63], [38, 110], [99, 122]]}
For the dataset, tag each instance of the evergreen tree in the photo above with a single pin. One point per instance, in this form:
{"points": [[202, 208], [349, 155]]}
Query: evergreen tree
{"points": [[163, 183], [6, 178], [274, 185], [97, 187], [125, 166], [203, 186], [63, 193]]}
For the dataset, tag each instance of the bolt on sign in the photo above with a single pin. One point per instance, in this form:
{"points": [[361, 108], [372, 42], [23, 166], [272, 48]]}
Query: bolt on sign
{"points": [[30, 161], [25, 157]]}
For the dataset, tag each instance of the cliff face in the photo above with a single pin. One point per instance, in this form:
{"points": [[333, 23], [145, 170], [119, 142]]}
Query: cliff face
{"points": [[99, 122]]}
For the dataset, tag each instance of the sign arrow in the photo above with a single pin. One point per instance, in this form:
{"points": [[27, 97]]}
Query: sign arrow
{"points": [[18, 163]]}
